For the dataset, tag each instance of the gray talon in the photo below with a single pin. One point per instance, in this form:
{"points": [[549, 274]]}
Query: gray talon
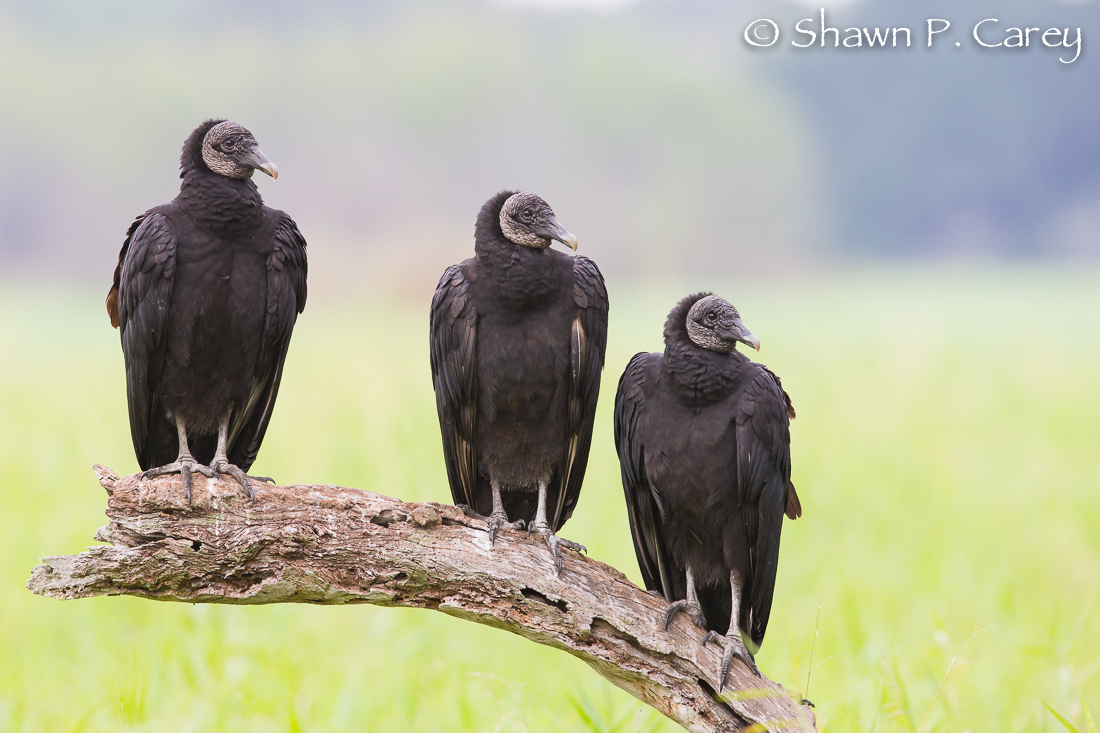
{"points": [[223, 466], [185, 473], [554, 542], [471, 513], [497, 522], [184, 466], [733, 646], [574, 546], [555, 550], [691, 609]]}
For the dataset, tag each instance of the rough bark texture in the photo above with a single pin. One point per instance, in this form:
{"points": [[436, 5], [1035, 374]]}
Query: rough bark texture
{"points": [[326, 544]]}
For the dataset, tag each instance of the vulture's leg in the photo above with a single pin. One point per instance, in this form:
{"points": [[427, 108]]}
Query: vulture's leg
{"points": [[689, 605], [221, 462], [542, 526], [732, 642], [498, 518], [184, 464]]}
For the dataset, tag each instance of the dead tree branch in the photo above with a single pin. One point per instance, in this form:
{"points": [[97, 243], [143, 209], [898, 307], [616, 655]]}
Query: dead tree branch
{"points": [[326, 544]]}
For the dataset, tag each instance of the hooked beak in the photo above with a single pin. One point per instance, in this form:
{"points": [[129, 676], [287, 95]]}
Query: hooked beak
{"points": [[554, 230], [259, 161], [740, 333]]}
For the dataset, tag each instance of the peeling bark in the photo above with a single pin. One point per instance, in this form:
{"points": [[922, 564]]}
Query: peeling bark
{"points": [[327, 545]]}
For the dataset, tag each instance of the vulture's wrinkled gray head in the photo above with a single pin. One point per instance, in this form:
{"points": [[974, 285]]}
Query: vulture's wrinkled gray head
{"points": [[715, 324], [230, 150], [529, 221]]}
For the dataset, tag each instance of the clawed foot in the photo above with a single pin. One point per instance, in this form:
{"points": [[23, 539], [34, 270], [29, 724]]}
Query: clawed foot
{"points": [[576, 547], [222, 466], [469, 512], [685, 606], [734, 647], [184, 467], [495, 521], [555, 543], [567, 544], [500, 521]]}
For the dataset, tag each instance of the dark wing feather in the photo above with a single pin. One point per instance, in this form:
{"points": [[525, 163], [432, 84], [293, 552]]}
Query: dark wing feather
{"points": [[587, 346], [453, 345], [286, 298], [794, 506], [140, 296], [763, 477], [112, 295], [641, 503]]}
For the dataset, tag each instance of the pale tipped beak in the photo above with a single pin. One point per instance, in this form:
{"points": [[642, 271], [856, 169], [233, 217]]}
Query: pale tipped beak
{"points": [[740, 333], [554, 230], [260, 162], [750, 339]]}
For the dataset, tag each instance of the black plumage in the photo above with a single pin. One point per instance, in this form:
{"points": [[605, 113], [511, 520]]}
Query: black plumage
{"points": [[206, 293], [517, 345], [703, 439]]}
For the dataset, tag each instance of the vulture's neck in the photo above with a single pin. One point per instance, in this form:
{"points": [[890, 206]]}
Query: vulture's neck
{"points": [[220, 203], [520, 275], [701, 376]]}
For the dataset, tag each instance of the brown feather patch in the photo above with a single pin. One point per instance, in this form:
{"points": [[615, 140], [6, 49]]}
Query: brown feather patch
{"points": [[112, 306], [794, 506]]}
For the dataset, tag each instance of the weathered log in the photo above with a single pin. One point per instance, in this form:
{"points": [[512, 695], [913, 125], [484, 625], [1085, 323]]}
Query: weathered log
{"points": [[327, 544]]}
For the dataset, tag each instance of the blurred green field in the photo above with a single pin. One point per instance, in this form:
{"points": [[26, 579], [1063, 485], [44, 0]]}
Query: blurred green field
{"points": [[947, 453]]}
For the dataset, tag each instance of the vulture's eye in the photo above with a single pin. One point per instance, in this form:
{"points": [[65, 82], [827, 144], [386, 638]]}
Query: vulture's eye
{"points": [[712, 316], [525, 215]]}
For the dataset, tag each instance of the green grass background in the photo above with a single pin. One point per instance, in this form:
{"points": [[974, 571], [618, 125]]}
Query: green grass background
{"points": [[946, 453]]}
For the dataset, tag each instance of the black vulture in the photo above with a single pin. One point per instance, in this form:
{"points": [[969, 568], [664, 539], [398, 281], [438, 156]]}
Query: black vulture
{"points": [[704, 445], [206, 292], [517, 345]]}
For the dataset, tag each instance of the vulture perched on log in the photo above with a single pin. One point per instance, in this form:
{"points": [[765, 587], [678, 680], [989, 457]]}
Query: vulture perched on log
{"points": [[517, 345], [205, 294], [703, 439]]}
